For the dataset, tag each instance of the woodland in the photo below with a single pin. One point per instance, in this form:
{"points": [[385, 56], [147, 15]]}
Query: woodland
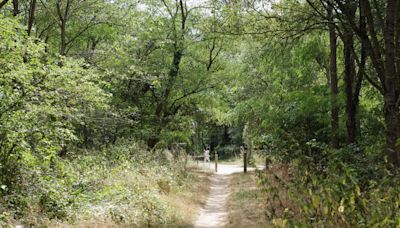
{"points": [[103, 101]]}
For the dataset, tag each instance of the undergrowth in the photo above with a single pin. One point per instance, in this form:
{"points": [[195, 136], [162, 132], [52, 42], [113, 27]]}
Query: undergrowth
{"points": [[343, 188], [116, 186]]}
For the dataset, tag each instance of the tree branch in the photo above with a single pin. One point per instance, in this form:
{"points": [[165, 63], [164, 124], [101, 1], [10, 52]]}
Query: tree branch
{"points": [[3, 3]]}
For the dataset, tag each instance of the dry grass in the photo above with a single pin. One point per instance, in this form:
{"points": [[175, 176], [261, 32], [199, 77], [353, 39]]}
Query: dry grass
{"points": [[246, 203], [279, 203], [184, 202], [187, 203]]}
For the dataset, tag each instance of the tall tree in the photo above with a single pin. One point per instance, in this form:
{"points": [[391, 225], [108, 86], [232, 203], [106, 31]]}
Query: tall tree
{"points": [[349, 74], [333, 78], [383, 22], [73, 19]]}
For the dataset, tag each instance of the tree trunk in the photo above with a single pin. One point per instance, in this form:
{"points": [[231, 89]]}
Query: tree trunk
{"points": [[361, 69], [172, 75], [333, 81], [63, 15], [15, 7], [391, 95], [225, 137], [162, 111], [384, 59], [349, 78], [63, 38], [31, 18]]}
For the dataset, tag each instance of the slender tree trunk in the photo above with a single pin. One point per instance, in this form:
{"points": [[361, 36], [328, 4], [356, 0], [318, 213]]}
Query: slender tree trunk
{"points": [[333, 81], [172, 75], [15, 7], [46, 41], [391, 95], [349, 79], [63, 16], [361, 68], [63, 38], [31, 18], [225, 137]]}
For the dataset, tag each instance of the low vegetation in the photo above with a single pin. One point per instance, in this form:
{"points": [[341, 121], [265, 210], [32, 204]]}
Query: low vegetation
{"points": [[337, 193], [246, 203], [118, 186], [291, 195]]}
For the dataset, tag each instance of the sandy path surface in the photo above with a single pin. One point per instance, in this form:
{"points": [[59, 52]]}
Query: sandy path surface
{"points": [[214, 213]]}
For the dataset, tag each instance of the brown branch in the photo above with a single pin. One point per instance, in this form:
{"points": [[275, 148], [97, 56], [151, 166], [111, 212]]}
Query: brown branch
{"points": [[195, 91], [46, 29], [372, 45], [31, 18], [3, 3], [88, 26], [50, 12], [212, 57]]}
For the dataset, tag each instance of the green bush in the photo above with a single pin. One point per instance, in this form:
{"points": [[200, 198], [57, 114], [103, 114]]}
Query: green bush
{"points": [[347, 189]]}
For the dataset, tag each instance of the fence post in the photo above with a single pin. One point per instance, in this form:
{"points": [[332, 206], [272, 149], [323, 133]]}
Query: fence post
{"points": [[267, 162], [245, 161], [216, 161]]}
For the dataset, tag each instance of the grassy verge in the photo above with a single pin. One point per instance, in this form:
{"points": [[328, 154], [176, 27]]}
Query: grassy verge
{"points": [[188, 201], [246, 203], [131, 189], [165, 204], [180, 202]]}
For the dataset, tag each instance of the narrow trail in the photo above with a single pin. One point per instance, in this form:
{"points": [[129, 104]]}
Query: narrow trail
{"points": [[214, 213]]}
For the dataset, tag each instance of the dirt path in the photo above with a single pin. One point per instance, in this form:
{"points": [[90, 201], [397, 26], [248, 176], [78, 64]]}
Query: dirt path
{"points": [[214, 213]]}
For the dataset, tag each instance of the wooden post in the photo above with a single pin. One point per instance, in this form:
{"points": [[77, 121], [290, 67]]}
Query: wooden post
{"points": [[245, 161], [216, 161], [267, 162]]}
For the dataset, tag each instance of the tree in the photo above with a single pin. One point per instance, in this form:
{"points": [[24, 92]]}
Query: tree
{"points": [[382, 22], [333, 78], [41, 101]]}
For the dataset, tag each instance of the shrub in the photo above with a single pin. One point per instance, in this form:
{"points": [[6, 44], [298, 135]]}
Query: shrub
{"points": [[346, 189]]}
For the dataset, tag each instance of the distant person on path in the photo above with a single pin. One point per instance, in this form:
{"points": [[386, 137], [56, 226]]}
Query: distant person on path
{"points": [[206, 155]]}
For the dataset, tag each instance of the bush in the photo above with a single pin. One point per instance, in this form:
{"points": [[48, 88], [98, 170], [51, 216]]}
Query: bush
{"points": [[346, 189]]}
